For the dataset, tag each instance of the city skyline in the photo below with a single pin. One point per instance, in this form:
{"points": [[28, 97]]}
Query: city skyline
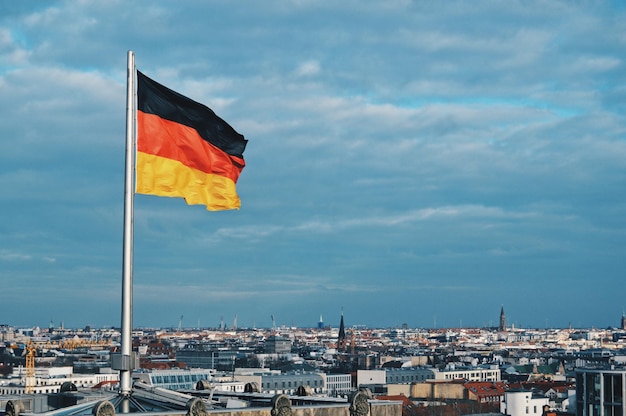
{"points": [[223, 324], [407, 162]]}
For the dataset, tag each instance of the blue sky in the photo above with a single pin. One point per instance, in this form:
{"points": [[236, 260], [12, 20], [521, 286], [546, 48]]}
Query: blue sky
{"points": [[408, 162]]}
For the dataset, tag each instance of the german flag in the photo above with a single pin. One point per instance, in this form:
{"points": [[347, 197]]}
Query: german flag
{"points": [[184, 149]]}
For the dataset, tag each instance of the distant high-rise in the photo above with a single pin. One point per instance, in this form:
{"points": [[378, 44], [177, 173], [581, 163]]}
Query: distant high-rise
{"points": [[502, 326], [623, 322], [277, 345], [341, 339], [320, 324]]}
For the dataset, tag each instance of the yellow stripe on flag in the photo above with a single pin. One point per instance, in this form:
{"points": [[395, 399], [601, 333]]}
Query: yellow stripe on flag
{"points": [[160, 176]]}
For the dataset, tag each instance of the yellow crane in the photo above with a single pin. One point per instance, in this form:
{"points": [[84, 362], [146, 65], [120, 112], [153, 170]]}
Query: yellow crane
{"points": [[68, 344]]}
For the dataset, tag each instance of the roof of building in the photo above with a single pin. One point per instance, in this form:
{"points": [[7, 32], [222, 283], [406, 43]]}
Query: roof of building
{"points": [[486, 389], [537, 369], [543, 386], [302, 367], [392, 364]]}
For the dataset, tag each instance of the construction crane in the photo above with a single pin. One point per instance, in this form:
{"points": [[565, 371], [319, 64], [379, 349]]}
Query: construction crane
{"points": [[69, 344]]}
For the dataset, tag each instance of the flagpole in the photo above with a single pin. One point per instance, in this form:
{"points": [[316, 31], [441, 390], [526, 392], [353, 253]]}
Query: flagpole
{"points": [[126, 361]]}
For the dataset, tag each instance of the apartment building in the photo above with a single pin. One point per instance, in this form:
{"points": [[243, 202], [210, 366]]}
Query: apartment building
{"points": [[489, 373], [601, 391]]}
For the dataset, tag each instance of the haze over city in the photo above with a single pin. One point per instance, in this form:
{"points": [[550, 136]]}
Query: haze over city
{"points": [[408, 162]]}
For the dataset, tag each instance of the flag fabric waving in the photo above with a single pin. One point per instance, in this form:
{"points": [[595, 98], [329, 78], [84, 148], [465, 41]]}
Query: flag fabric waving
{"points": [[184, 149]]}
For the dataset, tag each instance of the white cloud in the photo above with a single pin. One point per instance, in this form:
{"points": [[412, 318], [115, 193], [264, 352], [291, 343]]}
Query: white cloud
{"points": [[7, 255], [401, 142], [308, 68]]}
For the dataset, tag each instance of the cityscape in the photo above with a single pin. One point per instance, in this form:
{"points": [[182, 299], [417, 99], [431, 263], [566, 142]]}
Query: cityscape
{"points": [[396, 208], [443, 371]]}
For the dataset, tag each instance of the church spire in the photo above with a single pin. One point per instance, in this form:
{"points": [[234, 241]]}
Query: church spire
{"points": [[502, 326], [341, 339]]}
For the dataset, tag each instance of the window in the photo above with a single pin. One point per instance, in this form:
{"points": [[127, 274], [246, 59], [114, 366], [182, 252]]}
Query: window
{"points": [[612, 388]]}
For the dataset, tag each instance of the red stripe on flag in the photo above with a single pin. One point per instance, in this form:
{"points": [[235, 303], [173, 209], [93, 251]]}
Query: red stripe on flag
{"points": [[175, 141]]}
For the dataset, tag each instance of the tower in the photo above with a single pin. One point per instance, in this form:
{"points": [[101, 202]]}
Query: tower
{"points": [[502, 326], [341, 339]]}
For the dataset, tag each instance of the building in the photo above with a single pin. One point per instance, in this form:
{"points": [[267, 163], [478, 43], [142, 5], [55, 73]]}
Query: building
{"points": [[277, 345], [207, 357], [489, 373], [408, 375], [52, 380], [338, 384], [320, 324], [175, 379], [273, 382], [523, 403], [371, 377], [485, 392], [341, 337], [403, 375], [480, 392], [433, 390], [601, 391]]}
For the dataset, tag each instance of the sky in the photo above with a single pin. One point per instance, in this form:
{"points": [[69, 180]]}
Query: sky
{"points": [[408, 162]]}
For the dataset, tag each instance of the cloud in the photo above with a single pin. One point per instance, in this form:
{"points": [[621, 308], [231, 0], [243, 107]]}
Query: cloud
{"points": [[308, 68], [396, 152], [7, 255]]}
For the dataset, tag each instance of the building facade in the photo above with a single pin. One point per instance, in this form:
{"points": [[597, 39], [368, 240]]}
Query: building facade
{"points": [[277, 345], [405, 375], [338, 384], [522, 403], [600, 391], [51, 380], [285, 383], [486, 374], [207, 358]]}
